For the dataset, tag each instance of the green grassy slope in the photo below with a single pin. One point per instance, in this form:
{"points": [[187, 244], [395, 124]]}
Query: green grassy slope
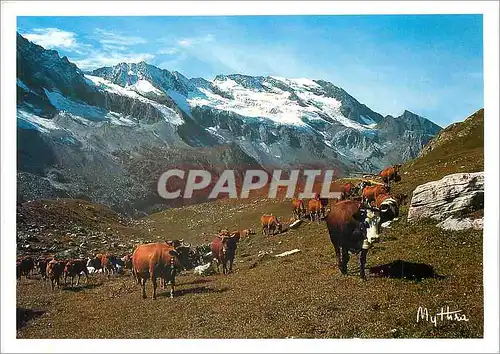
{"points": [[302, 295]]}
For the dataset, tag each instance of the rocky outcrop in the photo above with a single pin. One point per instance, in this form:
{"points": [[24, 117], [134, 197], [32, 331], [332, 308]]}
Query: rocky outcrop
{"points": [[453, 195]]}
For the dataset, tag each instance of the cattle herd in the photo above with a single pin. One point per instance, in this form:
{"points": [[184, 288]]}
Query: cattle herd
{"points": [[353, 223]]}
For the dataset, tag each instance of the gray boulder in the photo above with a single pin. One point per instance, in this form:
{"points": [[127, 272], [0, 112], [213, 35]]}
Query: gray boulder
{"points": [[453, 195]]}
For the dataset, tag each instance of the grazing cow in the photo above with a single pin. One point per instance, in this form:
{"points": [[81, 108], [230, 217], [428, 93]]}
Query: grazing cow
{"points": [[26, 266], [314, 208], [223, 250], [270, 223], [95, 262], [390, 174], [74, 268], [352, 228], [298, 208], [41, 264], [109, 262], [54, 271], [388, 207], [157, 260], [106, 262], [370, 193]]}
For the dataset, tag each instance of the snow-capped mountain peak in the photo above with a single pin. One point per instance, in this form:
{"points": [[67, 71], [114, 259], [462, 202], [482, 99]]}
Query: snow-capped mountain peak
{"points": [[110, 118]]}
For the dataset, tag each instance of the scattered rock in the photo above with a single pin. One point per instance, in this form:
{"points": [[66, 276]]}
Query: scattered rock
{"points": [[287, 253], [455, 224], [386, 224]]}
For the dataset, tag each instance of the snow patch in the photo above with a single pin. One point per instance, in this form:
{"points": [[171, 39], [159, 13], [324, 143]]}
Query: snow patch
{"points": [[79, 109], [213, 131], [169, 114], [28, 121], [144, 86]]}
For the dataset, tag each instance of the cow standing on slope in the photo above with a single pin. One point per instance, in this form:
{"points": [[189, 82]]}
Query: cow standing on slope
{"points": [[157, 260], [26, 265], [352, 228], [75, 268], [370, 193], [104, 262], [390, 174], [270, 223], [315, 208], [224, 249], [298, 208], [41, 264], [54, 271]]}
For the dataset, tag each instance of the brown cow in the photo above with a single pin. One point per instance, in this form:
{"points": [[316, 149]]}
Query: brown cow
{"points": [[298, 208], [315, 209], [74, 268], [223, 250], [370, 192], [157, 260], [352, 228], [270, 223], [390, 174], [54, 271]]}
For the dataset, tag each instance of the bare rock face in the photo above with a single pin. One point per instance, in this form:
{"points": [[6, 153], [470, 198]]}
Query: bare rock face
{"points": [[453, 195]]}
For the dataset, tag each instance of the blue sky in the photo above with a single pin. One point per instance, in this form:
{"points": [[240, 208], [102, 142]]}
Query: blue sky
{"points": [[431, 65]]}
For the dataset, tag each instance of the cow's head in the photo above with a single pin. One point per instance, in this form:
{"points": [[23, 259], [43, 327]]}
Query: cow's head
{"points": [[397, 167], [175, 243], [370, 219], [182, 254]]}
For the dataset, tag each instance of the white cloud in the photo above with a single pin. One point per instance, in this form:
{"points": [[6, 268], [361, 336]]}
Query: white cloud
{"points": [[169, 51], [107, 38], [52, 38], [190, 41], [98, 60]]}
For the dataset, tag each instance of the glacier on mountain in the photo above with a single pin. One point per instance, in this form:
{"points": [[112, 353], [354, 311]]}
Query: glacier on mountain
{"points": [[133, 120]]}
